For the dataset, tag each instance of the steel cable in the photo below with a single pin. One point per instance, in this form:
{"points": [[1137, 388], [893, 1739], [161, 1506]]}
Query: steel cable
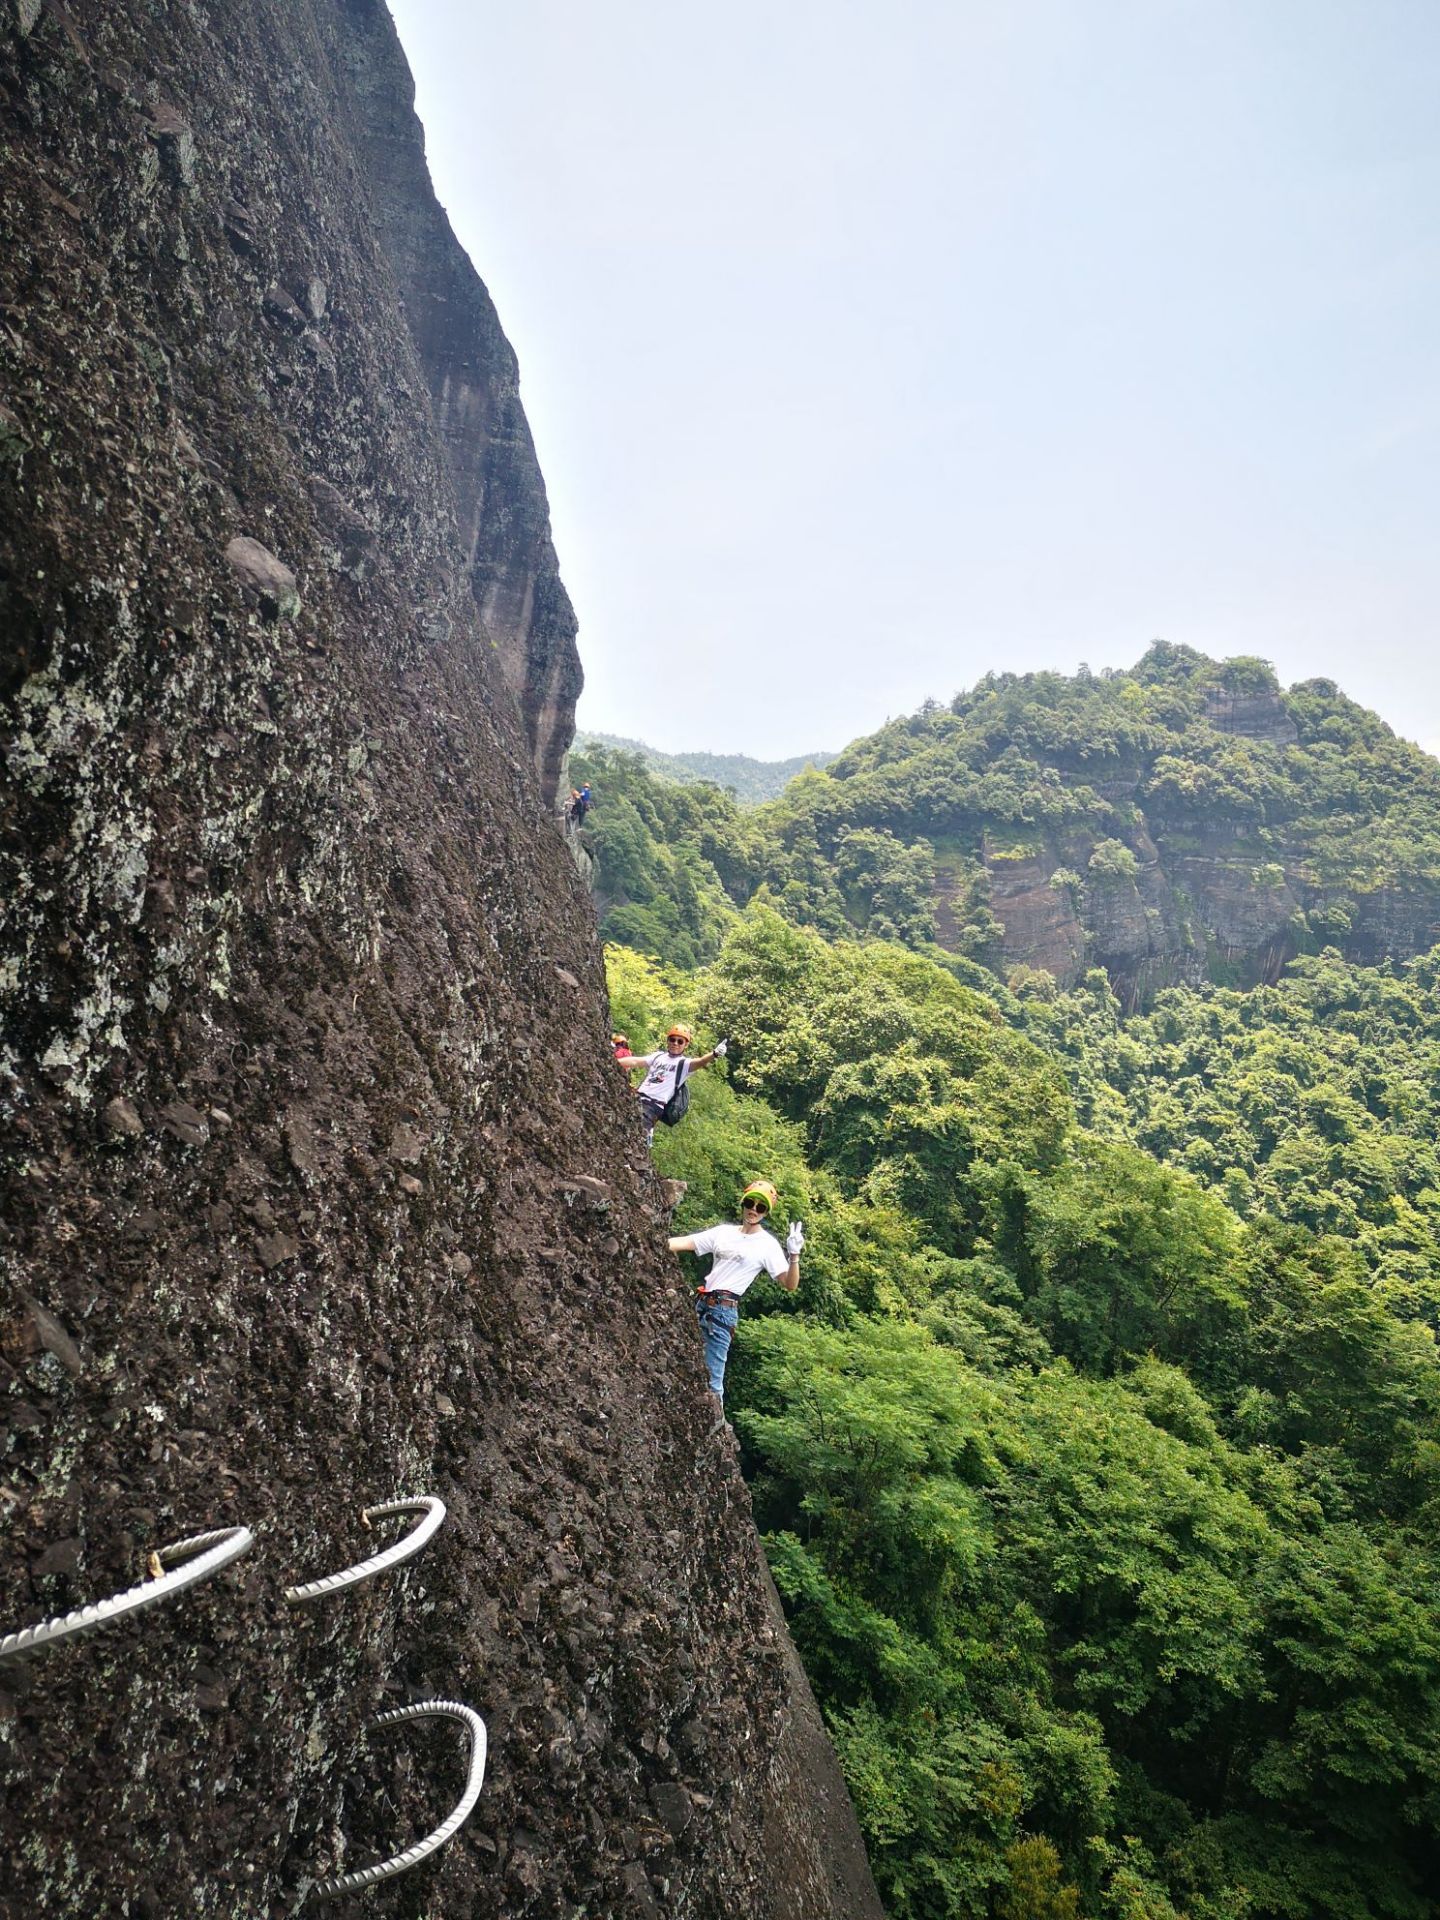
{"points": [[205, 1553], [215, 1550], [434, 1511], [422, 1849]]}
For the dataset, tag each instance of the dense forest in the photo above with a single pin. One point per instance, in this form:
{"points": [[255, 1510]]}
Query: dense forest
{"points": [[1098, 1457]]}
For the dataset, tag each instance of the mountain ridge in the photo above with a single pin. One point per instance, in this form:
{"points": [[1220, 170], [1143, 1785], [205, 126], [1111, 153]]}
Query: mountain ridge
{"points": [[1179, 821], [750, 780]]}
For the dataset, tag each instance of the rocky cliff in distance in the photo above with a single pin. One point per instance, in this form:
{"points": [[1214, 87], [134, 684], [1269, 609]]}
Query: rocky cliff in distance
{"points": [[1193, 887], [320, 1184], [1184, 820]]}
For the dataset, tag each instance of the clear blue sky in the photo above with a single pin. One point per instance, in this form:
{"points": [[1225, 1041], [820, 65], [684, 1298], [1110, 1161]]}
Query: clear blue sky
{"points": [[871, 346]]}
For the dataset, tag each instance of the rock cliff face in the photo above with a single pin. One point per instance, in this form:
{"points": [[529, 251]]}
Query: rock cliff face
{"points": [[1193, 895], [473, 382], [320, 1184], [1191, 909]]}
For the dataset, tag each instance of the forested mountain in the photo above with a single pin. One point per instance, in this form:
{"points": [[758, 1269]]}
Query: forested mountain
{"points": [[749, 780], [1181, 822], [1098, 1457]]}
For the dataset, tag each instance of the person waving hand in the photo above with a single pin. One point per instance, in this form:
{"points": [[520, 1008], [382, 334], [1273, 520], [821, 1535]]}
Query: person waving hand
{"points": [[739, 1253], [664, 1097]]}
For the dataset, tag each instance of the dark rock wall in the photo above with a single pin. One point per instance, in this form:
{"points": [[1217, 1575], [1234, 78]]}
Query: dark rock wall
{"points": [[474, 386], [319, 1182]]}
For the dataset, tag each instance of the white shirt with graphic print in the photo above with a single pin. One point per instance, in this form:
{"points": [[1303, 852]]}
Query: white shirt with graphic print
{"points": [[661, 1081], [740, 1257]]}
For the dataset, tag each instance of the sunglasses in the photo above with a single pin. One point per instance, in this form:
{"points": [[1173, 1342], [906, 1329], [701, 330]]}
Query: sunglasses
{"points": [[674, 1039], [755, 1206]]}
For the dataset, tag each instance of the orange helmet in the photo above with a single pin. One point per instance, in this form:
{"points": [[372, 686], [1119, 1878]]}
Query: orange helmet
{"points": [[761, 1190], [679, 1033]]}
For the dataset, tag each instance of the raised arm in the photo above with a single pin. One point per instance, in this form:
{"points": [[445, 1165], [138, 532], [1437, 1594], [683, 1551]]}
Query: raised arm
{"points": [[717, 1052], [794, 1241]]}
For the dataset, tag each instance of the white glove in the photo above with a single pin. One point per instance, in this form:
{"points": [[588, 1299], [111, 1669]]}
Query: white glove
{"points": [[794, 1239], [720, 1049]]}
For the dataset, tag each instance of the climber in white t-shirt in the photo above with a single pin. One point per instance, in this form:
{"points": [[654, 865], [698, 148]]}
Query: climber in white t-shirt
{"points": [[665, 1075], [740, 1254]]}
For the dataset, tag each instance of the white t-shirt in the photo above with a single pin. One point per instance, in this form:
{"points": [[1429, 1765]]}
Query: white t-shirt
{"points": [[740, 1257], [666, 1071]]}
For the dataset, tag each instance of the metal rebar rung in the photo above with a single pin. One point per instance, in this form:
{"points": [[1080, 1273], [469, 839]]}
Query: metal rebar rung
{"points": [[422, 1849], [214, 1550], [434, 1512]]}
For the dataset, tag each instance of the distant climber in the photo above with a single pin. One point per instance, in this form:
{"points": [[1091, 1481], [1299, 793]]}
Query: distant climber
{"points": [[741, 1253], [620, 1046], [581, 801], [664, 1096]]}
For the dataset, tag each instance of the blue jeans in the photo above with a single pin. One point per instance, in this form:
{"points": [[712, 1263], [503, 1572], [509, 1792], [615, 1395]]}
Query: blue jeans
{"points": [[717, 1329]]}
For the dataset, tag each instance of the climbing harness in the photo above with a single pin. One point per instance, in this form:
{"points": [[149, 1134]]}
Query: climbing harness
{"points": [[403, 1549], [214, 1550], [422, 1849]]}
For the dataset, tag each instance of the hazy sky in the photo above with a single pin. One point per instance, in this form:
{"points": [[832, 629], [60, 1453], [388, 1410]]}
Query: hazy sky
{"points": [[873, 344]]}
